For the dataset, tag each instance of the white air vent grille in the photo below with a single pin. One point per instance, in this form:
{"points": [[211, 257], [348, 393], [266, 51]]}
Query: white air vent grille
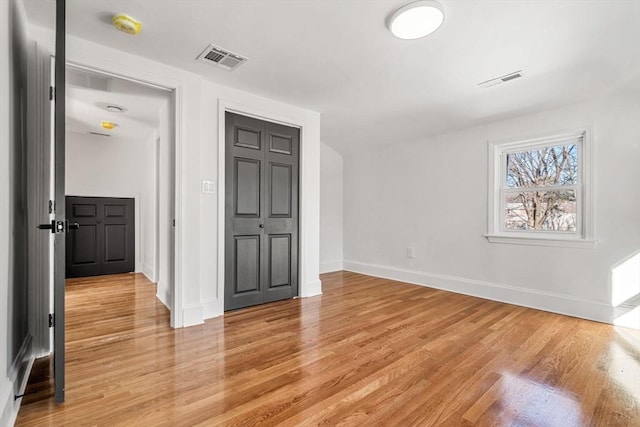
{"points": [[221, 57], [99, 134], [503, 79]]}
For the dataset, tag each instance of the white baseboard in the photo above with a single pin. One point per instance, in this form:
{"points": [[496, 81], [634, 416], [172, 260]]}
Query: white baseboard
{"points": [[149, 273], [162, 294], [192, 315], [311, 289], [330, 266], [16, 383], [212, 308], [546, 301]]}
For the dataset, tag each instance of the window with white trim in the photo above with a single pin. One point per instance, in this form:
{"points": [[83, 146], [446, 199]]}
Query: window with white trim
{"points": [[539, 191]]}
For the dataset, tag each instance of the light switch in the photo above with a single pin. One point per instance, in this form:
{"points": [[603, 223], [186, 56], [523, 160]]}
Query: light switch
{"points": [[208, 187]]}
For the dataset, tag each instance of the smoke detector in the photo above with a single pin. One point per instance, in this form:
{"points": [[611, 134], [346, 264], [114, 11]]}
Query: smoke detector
{"points": [[221, 57], [503, 79]]}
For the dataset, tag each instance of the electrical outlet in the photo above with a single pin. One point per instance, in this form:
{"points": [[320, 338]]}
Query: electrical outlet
{"points": [[411, 252]]}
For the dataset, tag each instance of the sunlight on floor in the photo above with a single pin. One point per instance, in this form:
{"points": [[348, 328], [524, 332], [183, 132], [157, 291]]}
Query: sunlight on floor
{"points": [[624, 366], [540, 403]]}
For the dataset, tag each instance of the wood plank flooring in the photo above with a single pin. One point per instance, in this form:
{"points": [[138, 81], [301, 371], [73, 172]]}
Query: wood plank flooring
{"points": [[368, 352]]}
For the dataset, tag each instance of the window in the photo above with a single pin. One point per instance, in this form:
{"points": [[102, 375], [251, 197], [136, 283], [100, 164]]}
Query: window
{"points": [[539, 191]]}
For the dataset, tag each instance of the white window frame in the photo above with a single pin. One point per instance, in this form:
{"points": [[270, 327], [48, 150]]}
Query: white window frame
{"points": [[583, 237]]}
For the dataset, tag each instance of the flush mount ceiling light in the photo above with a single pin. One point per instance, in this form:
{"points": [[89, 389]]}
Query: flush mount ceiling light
{"points": [[416, 20], [127, 24], [110, 107]]}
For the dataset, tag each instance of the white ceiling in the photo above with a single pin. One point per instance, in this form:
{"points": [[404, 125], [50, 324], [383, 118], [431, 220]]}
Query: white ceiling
{"points": [[84, 114], [338, 58]]}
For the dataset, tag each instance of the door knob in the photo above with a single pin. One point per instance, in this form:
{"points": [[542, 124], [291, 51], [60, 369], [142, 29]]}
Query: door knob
{"points": [[56, 227], [261, 225]]}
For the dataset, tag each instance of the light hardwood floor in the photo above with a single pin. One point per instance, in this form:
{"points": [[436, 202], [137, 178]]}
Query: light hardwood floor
{"points": [[368, 352]]}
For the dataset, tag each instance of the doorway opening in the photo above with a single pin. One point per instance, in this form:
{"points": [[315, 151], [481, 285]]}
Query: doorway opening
{"points": [[119, 178]]}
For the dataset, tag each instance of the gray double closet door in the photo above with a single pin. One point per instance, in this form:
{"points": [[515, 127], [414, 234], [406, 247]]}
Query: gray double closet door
{"points": [[261, 211]]}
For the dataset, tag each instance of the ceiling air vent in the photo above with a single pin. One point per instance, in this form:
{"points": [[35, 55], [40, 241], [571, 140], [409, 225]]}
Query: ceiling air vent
{"points": [[503, 79], [221, 57], [99, 134]]}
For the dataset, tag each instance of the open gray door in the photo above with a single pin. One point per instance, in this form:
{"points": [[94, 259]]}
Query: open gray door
{"points": [[59, 223]]}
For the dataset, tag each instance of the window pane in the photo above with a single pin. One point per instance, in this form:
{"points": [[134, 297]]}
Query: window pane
{"points": [[541, 167], [541, 210]]}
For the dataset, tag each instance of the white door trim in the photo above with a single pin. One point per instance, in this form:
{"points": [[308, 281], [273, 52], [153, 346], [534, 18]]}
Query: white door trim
{"points": [[225, 106], [176, 87]]}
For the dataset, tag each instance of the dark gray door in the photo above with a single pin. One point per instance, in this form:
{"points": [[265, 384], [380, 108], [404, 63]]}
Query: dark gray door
{"points": [[104, 242], [261, 232], [59, 192]]}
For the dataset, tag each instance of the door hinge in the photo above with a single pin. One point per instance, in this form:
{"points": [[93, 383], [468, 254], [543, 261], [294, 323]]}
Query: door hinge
{"points": [[52, 93], [52, 321], [52, 206]]}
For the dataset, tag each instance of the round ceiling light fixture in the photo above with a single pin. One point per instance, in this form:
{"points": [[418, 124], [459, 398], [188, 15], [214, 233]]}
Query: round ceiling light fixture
{"points": [[416, 20], [112, 108]]}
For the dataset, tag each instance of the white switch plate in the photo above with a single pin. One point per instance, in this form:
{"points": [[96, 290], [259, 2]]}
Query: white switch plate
{"points": [[208, 187]]}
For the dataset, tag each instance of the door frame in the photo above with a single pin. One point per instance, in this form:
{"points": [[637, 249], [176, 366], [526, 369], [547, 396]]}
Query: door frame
{"points": [[86, 62], [176, 113], [227, 106]]}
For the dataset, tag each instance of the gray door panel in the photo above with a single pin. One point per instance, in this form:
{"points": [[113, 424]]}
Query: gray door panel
{"points": [[105, 241], [59, 191], [261, 243]]}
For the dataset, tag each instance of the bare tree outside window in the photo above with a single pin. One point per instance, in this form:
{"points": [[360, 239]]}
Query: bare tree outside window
{"points": [[540, 189]]}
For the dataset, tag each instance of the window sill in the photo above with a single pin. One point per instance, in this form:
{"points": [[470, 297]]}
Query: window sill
{"points": [[542, 241]]}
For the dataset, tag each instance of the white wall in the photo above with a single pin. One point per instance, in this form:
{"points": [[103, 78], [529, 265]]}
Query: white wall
{"points": [[198, 233], [107, 167], [6, 386], [15, 342], [331, 177], [432, 195]]}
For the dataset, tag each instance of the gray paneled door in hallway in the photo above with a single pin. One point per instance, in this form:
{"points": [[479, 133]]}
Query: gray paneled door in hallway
{"points": [[104, 243], [261, 231]]}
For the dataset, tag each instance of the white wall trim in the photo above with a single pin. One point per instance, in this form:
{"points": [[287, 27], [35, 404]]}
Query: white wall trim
{"points": [[305, 288], [210, 308], [584, 235], [330, 266], [148, 272], [546, 301], [311, 288], [18, 377], [193, 315], [164, 297], [542, 241]]}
